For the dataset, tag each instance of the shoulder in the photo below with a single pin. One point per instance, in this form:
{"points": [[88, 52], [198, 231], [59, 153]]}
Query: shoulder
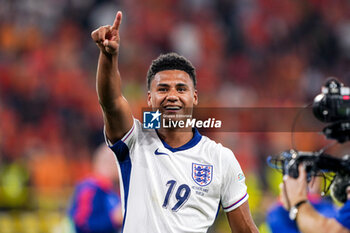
{"points": [[219, 153], [90, 183], [218, 148], [85, 189], [139, 132], [343, 216], [275, 213], [276, 208], [210, 144], [134, 134], [137, 123], [325, 207], [346, 206]]}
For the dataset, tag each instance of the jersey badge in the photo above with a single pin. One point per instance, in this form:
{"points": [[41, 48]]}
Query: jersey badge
{"points": [[240, 176], [202, 174]]}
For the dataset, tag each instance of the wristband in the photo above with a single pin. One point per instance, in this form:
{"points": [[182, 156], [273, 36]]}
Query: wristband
{"points": [[294, 210]]}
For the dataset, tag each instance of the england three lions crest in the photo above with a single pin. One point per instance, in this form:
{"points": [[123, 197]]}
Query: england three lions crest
{"points": [[202, 174]]}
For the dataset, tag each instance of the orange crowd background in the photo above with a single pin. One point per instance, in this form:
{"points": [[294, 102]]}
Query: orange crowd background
{"points": [[247, 53]]}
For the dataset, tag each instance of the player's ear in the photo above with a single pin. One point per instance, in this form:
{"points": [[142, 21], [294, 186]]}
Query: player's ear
{"points": [[149, 102], [195, 97]]}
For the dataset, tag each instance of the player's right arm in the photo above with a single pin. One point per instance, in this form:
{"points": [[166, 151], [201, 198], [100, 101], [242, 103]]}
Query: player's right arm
{"points": [[117, 114]]}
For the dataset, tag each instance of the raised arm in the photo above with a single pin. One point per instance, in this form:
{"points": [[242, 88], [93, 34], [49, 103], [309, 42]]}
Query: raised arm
{"points": [[117, 114], [240, 219]]}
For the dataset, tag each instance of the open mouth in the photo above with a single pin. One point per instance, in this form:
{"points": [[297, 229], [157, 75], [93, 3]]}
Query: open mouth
{"points": [[172, 108]]}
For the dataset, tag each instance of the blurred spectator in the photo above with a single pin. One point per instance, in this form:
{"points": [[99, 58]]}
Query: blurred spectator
{"points": [[14, 191], [96, 206]]}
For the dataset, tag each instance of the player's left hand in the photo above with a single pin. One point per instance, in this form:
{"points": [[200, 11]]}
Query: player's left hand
{"points": [[293, 190]]}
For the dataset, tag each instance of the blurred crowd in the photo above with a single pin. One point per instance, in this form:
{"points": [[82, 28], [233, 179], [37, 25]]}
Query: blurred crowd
{"points": [[251, 53]]}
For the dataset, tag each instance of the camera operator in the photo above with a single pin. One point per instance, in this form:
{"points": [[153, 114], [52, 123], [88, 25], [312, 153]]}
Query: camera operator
{"points": [[294, 199]]}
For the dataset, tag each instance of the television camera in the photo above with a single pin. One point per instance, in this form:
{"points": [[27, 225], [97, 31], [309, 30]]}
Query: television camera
{"points": [[331, 106]]}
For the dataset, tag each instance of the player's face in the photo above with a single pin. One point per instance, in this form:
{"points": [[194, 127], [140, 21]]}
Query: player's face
{"points": [[172, 92]]}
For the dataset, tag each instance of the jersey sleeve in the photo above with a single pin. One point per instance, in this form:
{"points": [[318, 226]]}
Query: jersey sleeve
{"points": [[233, 188], [122, 147]]}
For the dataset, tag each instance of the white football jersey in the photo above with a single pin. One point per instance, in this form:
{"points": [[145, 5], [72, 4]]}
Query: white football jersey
{"points": [[170, 190]]}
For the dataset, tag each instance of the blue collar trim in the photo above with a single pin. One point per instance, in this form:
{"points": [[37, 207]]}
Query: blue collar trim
{"points": [[194, 141]]}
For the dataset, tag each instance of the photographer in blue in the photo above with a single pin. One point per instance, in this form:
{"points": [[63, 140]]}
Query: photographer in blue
{"points": [[96, 204], [308, 220]]}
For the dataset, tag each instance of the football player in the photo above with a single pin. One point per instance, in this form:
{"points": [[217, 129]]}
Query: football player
{"points": [[173, 180]]}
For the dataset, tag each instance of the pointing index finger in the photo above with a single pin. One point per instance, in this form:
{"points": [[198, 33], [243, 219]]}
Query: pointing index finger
{"points": [[117, 20]]}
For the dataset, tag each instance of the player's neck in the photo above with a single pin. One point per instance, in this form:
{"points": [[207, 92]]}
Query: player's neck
{"points": [[175, 138]]}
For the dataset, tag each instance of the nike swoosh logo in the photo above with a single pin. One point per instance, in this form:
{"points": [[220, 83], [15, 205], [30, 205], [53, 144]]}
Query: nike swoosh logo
{"points": [[156, 152]]}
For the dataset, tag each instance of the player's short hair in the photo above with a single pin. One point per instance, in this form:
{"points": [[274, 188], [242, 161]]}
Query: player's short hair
{"points": [[170, 61]]}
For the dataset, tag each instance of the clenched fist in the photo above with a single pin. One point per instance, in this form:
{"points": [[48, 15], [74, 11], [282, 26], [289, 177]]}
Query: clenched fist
{"points": [[107, 37]]}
